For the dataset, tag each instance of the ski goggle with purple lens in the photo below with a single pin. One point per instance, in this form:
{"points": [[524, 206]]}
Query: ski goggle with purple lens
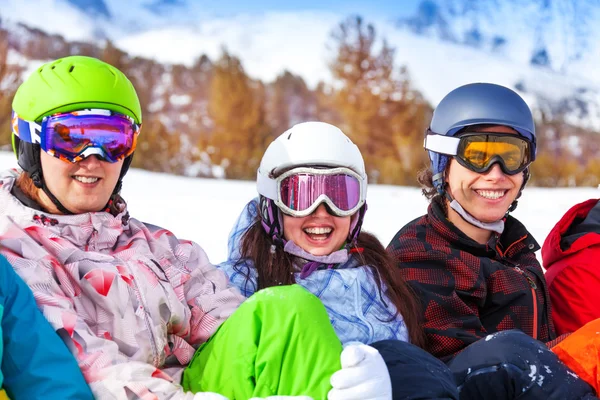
{"points": [[76, 135], [301, 190], [479, 151]]}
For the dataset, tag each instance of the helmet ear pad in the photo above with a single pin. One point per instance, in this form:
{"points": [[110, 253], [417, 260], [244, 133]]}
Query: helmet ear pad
{"points": [[28, 158], [126, 164]]}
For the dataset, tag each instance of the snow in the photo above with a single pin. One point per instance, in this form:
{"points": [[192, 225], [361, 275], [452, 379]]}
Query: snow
{"points": [[300, 42], [204, 210], [180, 100], [267, 44]]}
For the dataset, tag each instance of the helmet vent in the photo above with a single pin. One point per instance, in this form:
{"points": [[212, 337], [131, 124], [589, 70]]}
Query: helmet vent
{"points": [[290, 136], [72, 68], [52, 67]]}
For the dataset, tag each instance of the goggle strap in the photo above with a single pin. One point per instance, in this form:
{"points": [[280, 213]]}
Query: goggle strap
{"points": [[27, 131], [442, 144]]}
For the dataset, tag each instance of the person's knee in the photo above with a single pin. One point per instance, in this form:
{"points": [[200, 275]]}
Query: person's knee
{"points": [[399, 351], [290, 298], [511, 337], [428, 376], [510, 347], [504, 345]]}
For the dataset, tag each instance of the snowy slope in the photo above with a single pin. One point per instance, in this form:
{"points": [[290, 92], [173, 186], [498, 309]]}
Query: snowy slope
{"points": [[204, 210]]}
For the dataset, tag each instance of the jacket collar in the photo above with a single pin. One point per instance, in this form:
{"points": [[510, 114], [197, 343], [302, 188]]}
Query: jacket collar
{"points": [[100, 229], [514, 239]]}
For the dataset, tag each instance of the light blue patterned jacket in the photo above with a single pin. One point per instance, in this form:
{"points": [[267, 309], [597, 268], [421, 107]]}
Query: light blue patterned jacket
{"points": [[349, 291]]}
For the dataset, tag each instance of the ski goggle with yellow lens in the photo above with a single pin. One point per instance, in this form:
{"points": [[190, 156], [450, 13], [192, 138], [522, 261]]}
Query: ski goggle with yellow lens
{"points": [[300, 191], [479, 151], [76, 135]]}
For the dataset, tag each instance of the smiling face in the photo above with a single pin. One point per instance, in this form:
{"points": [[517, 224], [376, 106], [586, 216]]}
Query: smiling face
{"points": [[85, 186], [486, 196], [320, 233]]}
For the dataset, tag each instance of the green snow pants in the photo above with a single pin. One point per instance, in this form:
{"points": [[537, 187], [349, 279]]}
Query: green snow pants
{"points": [[278, 342]]}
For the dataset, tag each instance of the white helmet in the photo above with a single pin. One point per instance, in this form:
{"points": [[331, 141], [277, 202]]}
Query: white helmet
{"points": [[310, 144], [304, 145]]}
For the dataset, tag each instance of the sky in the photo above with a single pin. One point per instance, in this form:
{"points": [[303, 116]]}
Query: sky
{"points": [[379, 8]]}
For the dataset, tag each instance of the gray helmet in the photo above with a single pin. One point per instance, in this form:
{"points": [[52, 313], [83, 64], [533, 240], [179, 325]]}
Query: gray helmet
{"points": [[478, 104]]}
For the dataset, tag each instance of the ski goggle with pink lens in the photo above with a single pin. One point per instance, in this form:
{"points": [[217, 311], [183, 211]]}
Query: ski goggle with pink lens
{"points": [[301, 190], [76, 135]]}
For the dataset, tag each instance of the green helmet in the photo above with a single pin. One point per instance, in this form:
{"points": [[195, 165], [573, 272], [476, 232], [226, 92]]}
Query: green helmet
{"points": [[75, 83], [70, 84]]}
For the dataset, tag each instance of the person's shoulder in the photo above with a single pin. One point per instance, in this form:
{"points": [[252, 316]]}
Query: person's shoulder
{"points": [[9, 174], [137, 225], [155, 232], [415, 233], [517, 238], [579, 210], [409, 230]]}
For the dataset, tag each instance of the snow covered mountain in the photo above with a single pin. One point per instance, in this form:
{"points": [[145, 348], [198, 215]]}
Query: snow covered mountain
{"points": [[546, 49], [558, 34]]}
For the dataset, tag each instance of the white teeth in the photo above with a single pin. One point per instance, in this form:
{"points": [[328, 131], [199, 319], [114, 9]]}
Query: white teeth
{"points": [[86, 179], [491, 194], [318, 231]]}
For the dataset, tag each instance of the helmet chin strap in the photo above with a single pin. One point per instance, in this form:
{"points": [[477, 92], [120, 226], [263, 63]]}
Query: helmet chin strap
{"points": [[64, 210], [496, 226], [37, 177]]}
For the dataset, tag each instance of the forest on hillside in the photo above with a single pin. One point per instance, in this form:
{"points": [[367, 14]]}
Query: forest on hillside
{"points": [[213, 120]]}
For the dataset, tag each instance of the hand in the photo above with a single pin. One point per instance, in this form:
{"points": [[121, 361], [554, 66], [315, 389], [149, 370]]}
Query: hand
{"points": [[364, 375], [283, 398], [209, 396]]}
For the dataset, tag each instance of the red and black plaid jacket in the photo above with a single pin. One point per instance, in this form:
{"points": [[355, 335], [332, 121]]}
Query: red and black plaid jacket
{"points": [[469, 290]]}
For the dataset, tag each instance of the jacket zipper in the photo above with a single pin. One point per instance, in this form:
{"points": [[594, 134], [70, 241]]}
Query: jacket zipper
{"points": [[149, 325], [534, 298], [91, 243], [547, 317]]}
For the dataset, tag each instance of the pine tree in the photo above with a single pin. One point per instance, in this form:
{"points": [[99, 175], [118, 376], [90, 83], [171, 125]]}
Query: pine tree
{"points": [[289, 102], [378, 109], [236, 108], [113, 56], [158, 149]]}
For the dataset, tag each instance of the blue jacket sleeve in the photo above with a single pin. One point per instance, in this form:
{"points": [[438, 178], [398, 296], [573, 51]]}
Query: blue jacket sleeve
{"points": [[241, 272], [36, 363]]}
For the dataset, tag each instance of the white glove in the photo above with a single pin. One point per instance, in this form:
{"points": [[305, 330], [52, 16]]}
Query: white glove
{"points": [[209, 396], [364, 375], [283, 398]]}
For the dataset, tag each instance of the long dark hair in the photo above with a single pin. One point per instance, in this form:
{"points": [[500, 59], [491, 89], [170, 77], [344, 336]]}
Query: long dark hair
{"points": [[275, 267]]}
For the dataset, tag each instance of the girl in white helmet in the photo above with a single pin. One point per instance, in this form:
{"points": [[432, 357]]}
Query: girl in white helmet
{"points": [[305, 228]]}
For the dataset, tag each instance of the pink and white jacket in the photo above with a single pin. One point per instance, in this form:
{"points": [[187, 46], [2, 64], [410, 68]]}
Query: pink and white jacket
{"points": [[130, 299]]}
